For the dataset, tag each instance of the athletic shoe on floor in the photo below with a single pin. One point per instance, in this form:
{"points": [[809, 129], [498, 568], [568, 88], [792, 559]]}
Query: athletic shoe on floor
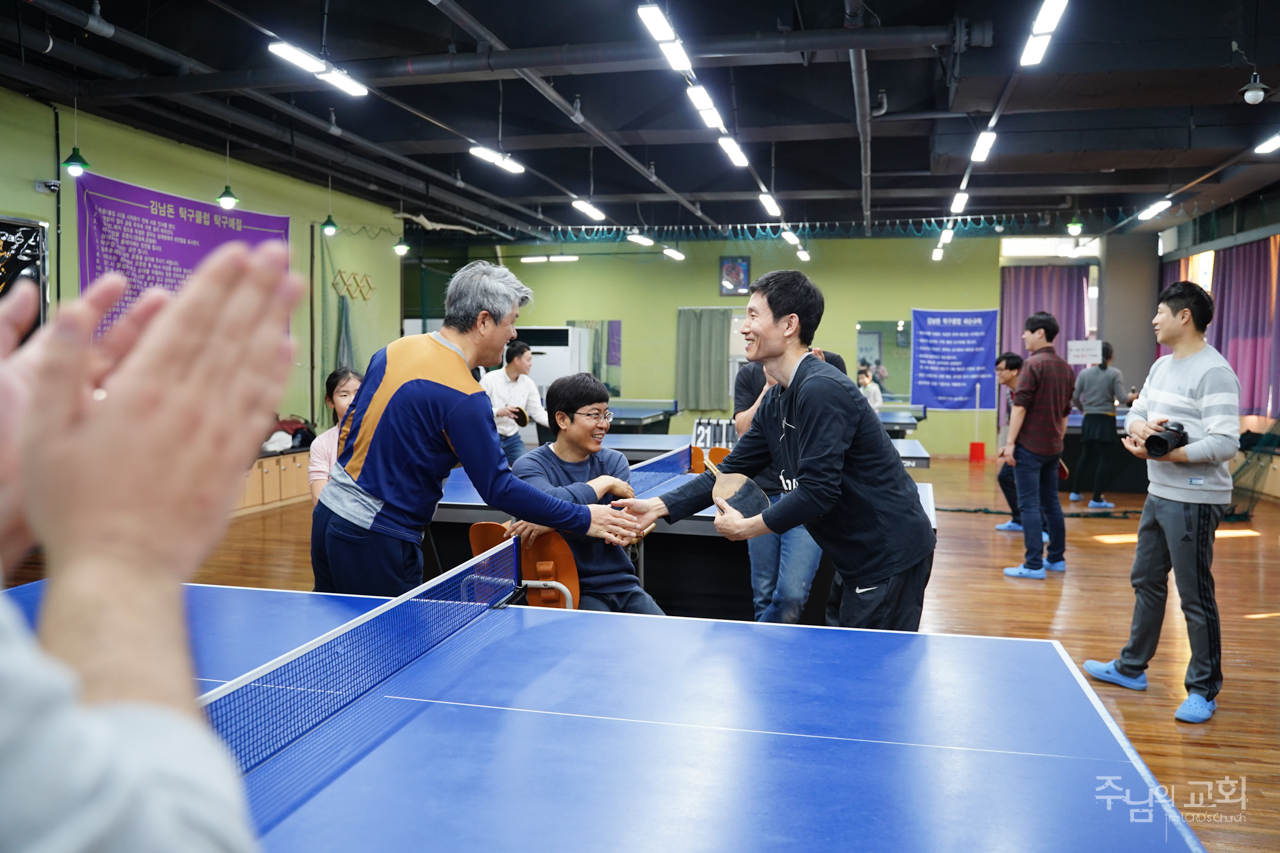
{"points": [[1075, 496], [1102, 504], [1196, 709], [1009, 527], [1060, 566], [1024, 572], [1108, 672]]}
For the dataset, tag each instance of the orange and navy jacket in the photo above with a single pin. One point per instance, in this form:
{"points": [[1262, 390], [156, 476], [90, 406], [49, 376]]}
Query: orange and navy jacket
{"points": [[418, 413]]}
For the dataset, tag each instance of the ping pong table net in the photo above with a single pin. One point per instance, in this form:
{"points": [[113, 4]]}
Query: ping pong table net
{"points": [[264, 711], [654, 472]]}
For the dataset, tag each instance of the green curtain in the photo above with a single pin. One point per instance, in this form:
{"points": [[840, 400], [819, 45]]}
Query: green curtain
{"points": [[345, 357], [702, 358]]}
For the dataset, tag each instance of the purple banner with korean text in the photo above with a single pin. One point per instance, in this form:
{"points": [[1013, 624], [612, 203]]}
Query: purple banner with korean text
{"points": [[953, 356], [155, 239]]}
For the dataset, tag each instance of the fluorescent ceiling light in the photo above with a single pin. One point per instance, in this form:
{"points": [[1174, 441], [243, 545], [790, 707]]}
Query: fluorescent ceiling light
{"points": [[1034, 51], [340, 80], [711, 117], [958, 203], [588, 208], [562, 258], [947, 234], [770, 205], [672, 253], [982, 147], [790, 237], [659, 26], [937, 254], [300, 58], [1161, 205], [533, 259], [802, 254], [701, 100], [1047, 20], [500, 160], [640, 238], [1270, 145], [676, 57], [736, 157]]}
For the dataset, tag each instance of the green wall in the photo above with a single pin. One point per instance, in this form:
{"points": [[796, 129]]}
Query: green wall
{"points": [[861, 279], [27, 153]]}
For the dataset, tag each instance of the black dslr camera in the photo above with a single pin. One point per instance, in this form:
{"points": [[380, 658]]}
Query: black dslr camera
{"points": [[1162, 443]]}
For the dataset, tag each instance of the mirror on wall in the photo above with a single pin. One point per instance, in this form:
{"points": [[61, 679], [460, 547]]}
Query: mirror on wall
{"points": [[884, 346]]}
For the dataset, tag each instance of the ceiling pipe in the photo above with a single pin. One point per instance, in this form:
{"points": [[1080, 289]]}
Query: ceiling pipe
{"points": [[944, 194], [861, 105], [612, 57], [95, 24], [217, 109], [479, 32]]}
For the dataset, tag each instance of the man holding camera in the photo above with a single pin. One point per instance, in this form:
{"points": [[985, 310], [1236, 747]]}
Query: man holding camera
{"points": [[1186, 423]]}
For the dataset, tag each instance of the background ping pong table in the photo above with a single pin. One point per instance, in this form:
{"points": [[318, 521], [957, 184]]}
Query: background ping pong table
{"points": [[688, 568], [638, 447], [535, 729]]}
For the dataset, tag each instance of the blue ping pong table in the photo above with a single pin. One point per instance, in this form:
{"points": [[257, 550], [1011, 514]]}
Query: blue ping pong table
{"points": [[531, 729], [638, 447], [461, 503]]}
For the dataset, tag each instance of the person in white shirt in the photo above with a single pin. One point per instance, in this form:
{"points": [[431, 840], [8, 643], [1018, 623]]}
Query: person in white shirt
{"points": [[102, 746], [510, 389], [870, 390]]}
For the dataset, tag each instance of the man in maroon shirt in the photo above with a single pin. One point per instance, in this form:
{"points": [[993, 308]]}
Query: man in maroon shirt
{"points": [[1041, 403]]}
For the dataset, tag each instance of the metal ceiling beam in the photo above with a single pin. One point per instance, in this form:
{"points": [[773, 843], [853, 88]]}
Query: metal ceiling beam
{"points": [[852, 194], [83, 58], [95, 24], [612, 57], [481, 33]]}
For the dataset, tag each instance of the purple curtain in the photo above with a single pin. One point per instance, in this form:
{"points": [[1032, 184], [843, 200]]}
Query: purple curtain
{"points": [[1171, 271], [1244, 295], [1060, 290]]}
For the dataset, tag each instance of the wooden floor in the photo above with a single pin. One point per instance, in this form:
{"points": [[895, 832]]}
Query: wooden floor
{"points": [[1088, 610]]}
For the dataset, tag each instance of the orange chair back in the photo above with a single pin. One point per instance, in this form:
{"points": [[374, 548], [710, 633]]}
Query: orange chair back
{"points": [[696, 461], [718, 454], [548, 559]]}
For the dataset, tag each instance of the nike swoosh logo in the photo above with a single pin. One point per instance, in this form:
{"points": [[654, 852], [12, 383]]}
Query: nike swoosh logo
{"points": [[860, 590]]}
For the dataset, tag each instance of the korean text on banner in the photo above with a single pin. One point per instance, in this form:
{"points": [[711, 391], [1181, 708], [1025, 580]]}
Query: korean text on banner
{"points": [[155, 239], [953, 355]]}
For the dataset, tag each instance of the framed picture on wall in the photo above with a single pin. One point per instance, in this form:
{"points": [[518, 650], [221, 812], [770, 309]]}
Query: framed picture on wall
{"points": [[735, 275]]}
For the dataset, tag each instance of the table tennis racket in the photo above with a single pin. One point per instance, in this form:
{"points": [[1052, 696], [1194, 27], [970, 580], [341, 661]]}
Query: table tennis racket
{"points": [[521, 417], [1063, 472], [739, 491]]}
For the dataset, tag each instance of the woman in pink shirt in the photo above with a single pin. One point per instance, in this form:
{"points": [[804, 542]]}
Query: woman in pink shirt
{"points": [[339, 390]]}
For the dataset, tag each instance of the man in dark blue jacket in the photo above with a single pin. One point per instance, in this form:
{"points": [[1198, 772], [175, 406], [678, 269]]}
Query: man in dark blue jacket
{"points": [[577, 468], [841, 476]]}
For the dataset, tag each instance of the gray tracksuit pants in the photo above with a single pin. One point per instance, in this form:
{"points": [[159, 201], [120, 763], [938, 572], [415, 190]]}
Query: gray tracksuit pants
{"points": [[1176, 535]]}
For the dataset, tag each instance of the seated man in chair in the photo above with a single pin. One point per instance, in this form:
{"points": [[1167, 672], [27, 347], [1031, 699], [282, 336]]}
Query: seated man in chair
{"points": [[576, 468]]}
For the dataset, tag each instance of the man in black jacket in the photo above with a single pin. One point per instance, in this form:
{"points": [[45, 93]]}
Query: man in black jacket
{"points": [[841, 476]]}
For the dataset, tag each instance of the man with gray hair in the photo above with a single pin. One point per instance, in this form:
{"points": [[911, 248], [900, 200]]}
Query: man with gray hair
{"points": [[417, 415]]}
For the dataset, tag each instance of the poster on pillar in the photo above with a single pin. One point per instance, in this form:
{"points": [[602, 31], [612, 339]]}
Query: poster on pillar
{"points": [[155, 239], [953, 355]]}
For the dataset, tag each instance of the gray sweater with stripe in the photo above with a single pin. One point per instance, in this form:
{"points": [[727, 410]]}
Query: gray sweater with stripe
{"points": [[1202, 393]]}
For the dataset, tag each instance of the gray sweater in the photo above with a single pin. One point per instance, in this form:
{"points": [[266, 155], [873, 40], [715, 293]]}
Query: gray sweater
{"points": [[1097, 389], [113, 777], [1203, 394]]}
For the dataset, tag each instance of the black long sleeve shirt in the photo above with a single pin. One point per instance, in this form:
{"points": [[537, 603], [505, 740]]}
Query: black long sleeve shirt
{"points": [[841, 476]]}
